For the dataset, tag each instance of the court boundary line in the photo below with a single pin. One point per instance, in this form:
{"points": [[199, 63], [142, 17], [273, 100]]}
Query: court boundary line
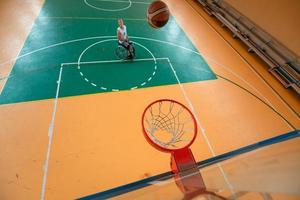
{"points": [[118, 1], [107, 10], [203, 131], [50, 137], [3, 84]]}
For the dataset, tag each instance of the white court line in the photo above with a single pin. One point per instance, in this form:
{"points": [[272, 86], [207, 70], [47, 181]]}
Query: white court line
{"points": [[116, 1], [54, 45], [200, 125], [3, 84], [113, 61], [50, 135], [78, 64], [4, 77], [109, 10], [2, 87], [113, 39]]}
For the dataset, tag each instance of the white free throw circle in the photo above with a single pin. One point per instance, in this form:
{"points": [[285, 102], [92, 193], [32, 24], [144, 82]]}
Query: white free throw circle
{"points": [[109, 10], [103, 87]]}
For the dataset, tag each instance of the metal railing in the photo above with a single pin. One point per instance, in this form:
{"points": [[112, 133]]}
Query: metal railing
{"points": [[284, 64]]}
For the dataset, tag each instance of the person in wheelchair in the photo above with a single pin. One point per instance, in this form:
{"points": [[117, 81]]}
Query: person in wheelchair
{"points": [[123, 39]]}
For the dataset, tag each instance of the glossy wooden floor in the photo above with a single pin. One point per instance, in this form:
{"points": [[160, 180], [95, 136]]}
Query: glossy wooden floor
{"points": [[89, 146]]}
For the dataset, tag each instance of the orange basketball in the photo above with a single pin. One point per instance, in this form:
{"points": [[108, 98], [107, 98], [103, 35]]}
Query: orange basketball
{"points": [[158, 14]]}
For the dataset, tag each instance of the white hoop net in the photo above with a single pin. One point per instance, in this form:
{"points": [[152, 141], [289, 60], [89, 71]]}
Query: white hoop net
{"points": [[169, 125]]}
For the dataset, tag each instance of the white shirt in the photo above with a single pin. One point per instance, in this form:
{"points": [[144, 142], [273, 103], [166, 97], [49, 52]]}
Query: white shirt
{"points": [[123, 32]]}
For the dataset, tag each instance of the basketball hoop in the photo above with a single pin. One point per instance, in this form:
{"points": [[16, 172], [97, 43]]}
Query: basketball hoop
{"points": [[170, 126]]}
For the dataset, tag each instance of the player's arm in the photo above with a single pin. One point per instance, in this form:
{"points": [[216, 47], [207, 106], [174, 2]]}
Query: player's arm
{"points": [[126, 38], [120, 36]]}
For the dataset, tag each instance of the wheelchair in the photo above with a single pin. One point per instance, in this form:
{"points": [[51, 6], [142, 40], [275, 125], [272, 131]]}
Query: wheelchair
{"points": [[123, 53]]}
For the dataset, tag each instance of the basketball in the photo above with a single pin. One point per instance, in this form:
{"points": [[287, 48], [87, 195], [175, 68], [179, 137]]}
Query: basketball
{"points": [[158, 14]]}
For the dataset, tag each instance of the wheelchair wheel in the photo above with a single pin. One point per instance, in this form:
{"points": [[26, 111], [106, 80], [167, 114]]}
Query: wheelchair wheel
{"points": [[121, 52], [132, 51]]}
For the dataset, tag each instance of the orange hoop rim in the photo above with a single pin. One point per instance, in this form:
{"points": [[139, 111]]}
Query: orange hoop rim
{"points": [[164, 149]]}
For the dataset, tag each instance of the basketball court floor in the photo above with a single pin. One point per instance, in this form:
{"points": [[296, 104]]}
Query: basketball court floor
{"points": [[70, 111]]}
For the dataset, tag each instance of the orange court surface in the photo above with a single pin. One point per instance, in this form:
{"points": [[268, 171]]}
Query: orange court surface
{"points": [[72, 130]]}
